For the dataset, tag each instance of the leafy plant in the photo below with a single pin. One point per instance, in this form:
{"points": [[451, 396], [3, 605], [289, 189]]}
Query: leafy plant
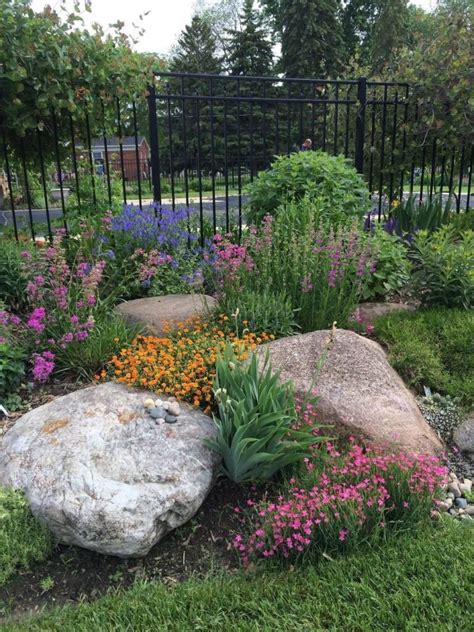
{"points": [[12, 367], [409, 216], [338, 192], [444, 267], [12, 277], [392, 272], [260, 310], [22, 539], [255, 436], [434, 348]]}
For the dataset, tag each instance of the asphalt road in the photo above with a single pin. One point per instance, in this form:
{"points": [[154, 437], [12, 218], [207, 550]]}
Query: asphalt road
{"points": [[40, 216]]}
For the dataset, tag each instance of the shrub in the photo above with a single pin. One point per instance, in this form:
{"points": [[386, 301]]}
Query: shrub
{"points": [[255, 434], [444, 268], [331, 182], [392, 272], [353, 499], [22, 539], [434, 348], [260, 311], [182, 364], [12, 367], [12, 277]]}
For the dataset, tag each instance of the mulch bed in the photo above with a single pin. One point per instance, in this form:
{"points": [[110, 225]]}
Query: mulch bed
{"points": [[73, 574]]}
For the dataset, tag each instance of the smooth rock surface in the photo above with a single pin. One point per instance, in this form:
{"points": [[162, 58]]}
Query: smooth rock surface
{"points": [[154, 312], [359, 391], [368, 312], [463, 436], [105, 476]]}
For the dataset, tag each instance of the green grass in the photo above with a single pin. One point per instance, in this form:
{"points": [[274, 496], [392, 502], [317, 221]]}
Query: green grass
{"points": [[433, 347], [417, 583], [22, 539]]}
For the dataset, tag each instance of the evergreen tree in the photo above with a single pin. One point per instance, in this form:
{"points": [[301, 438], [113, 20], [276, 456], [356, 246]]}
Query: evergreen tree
{"points": [[311, 36], [196, 49], [249, 52]]}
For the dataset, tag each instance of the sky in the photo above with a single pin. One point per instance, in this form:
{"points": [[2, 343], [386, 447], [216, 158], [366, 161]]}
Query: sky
{"points": [[163, 24]]}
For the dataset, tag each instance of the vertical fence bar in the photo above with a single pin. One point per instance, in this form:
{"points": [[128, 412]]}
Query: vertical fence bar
{"points": [[336, 119], [170, 146], [213, 170], [412, 172], [43, 182], [313, 124], [59, 168], [154, 144], [346, 134], [372, 144], [264, 127], [461, 173], [27, 188], [252, 149], [394, 140], [404, 142], [74, 162], [433, 169], [277, 129], [120, 142], [360, 124], [106, 152], [10, 187], [185, 143], [226, 163], [325, 115], [451, 174], [382, 150], [288, 123], [137, 154], [301, 133], [423, 164], [198, 130], [443, 167], [469, 181], [91, 162], [239, 167]]}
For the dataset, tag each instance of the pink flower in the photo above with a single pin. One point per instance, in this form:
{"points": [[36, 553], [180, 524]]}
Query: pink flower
{"points": [[343, 534]]}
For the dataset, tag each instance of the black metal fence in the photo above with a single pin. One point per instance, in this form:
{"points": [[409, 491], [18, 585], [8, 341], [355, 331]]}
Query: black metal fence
{"points": [[199, 139]]}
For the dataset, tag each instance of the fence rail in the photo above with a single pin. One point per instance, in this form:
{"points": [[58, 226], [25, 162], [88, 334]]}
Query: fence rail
{"points": [[199, 139]]}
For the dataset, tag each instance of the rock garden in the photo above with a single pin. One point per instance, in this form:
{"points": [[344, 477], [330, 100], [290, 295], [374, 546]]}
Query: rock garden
{"points": [[198, 419]]}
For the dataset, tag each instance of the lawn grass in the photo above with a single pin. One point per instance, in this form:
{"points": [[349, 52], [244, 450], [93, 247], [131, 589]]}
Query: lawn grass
{"points": [[414, 582], [22, 539], [432, 347]]}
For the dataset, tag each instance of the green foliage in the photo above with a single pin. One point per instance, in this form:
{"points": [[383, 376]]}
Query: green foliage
{"points": [[12, 277], [196, 49], [444, 267], [91, 193], [254, 426], [12, 367], [249, 51], [392, 272], [409, 216], [22, 539], [260, 310], [433, 348], [462, 221], [338, 191], [84, 359]]}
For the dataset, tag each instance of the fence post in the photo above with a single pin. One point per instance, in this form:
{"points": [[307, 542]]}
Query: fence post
{"points": [[360, 124], [154, 146]]}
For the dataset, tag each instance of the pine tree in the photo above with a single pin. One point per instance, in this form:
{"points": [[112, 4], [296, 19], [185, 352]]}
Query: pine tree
{"points": [[196, 49], [311, 37], [249, 52]]}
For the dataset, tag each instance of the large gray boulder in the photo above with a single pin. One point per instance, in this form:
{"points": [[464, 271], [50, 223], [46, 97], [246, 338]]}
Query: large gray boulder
{"points": [[103, 475], [359, 392], [154, 313], [464, 436]]}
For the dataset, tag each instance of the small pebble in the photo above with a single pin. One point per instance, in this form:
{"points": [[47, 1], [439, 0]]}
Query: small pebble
{"points": [[171, 419], [470, 510], [160, 420], [149, 403], [447, 504], [453, 511], [461, 502], [466, 486], [454, 489], [450, 495], [173, 408], [156, 413], [158, 403], [166, 405]]}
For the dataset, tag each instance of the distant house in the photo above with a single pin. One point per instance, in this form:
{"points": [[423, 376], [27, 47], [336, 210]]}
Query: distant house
{"points": [[131, 166]]}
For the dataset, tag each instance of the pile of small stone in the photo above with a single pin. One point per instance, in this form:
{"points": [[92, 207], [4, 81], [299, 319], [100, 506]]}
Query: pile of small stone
{"points": [[162, 411], [459, 500]]}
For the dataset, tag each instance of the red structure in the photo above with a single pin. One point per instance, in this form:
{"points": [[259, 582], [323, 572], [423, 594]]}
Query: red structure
{"points": [[114, 148]]}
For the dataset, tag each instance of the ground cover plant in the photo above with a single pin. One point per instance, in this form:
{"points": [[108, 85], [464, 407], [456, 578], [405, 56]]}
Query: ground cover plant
{"points": [[22, 539], [183, 363], [409, 582], [331, 183], [432, 347]]}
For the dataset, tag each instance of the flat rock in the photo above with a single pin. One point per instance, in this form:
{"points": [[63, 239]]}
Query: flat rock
{"points": [[463, 436], [359, 391], [103, 475], [154, 312], [368, 312]]}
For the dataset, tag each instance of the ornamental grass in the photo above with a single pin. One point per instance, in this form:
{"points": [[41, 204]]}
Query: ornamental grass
{"points": [[183, 363]]}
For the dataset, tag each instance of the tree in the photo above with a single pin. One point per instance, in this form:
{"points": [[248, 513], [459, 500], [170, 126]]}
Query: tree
{"points": [[196, 49], [311, 37], [221, 16], [249, 52]]}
